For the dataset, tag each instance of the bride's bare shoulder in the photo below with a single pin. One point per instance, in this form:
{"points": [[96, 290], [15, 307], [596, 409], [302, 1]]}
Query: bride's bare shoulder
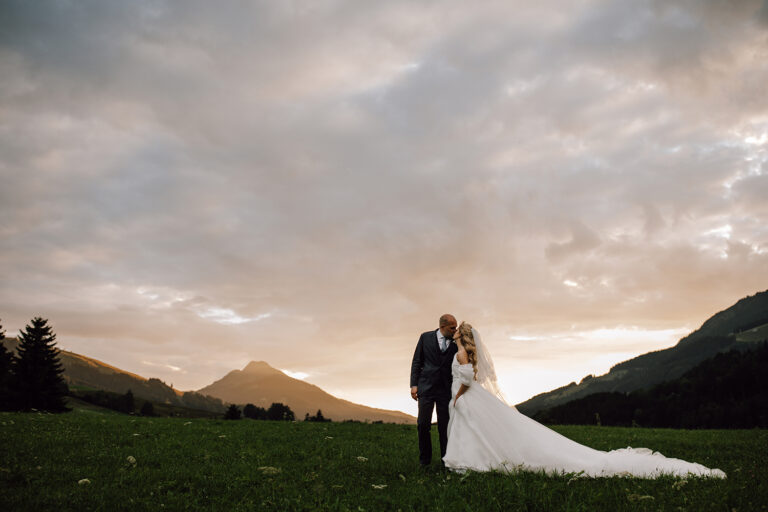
{"points": [[461, 357]]}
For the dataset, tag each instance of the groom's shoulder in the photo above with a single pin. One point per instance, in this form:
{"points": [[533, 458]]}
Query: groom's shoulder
{"points": [[428, 333]]}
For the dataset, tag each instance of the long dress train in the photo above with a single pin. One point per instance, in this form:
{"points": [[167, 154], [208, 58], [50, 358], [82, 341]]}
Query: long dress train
{"points": [[486, 434]]}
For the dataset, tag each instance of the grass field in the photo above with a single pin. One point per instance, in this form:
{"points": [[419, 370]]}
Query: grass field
{"points": [[136, 463]]}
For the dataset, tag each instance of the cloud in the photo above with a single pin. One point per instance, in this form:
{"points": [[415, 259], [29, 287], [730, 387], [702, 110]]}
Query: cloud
{"points": [[314, 183]]}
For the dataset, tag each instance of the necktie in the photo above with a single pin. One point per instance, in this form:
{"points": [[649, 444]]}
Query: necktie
{"points": [[444, 344]]}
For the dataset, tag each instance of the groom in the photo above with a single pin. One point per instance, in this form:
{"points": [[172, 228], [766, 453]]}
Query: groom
{"points": [[431, 384]]}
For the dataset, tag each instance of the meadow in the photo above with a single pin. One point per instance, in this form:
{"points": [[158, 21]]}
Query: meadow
{"points": [[90, 459]]}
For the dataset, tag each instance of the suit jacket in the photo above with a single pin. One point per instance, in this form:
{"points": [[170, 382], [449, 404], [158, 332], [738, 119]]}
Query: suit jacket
{"points": [[431, 368]]}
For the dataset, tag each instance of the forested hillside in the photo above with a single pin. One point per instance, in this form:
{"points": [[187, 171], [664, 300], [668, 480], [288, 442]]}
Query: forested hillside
{"points": [[729, 390], [737, 327]]}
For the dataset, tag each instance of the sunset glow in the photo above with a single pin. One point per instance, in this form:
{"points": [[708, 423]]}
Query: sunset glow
{"points": [[312, 184]]}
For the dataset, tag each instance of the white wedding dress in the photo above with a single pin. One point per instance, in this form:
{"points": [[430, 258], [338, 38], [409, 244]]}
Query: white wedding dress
{"points": [[484, 433]]}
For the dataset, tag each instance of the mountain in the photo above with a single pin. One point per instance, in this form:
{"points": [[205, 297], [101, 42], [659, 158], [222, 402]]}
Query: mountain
{"points": [[261, 385], [729, 390], [258, 383], [84, 371], [739, 327]]}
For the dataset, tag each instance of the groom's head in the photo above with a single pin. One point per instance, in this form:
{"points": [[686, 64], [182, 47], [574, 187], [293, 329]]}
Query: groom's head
{"points": [[448, 325]]}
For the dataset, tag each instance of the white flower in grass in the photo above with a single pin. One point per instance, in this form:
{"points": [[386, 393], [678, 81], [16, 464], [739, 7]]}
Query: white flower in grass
{"points": [[362, 459], [328, 437], [188, 423], [84, 481], [269, 470], [379, 486], [402, 477], [131, 460], [679, 484]]}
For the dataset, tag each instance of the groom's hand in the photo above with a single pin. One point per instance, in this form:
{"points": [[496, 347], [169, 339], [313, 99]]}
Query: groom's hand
{"points": [[415, 392]]}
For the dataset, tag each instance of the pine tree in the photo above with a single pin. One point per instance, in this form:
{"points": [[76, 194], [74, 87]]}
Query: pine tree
{"points": [[6, 365], [37, 378]]}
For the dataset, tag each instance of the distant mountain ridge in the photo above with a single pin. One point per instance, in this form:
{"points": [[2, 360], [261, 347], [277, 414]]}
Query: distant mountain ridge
{"points": [[737, 327], [260, 384]]}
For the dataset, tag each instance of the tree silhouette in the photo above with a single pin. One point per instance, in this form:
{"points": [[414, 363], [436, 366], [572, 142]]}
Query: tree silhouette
{"points": [[147, 409], [233, 413], [254, 413], [280, 412], [37, 371], [6, 367], [317, 417], [126, 403]]}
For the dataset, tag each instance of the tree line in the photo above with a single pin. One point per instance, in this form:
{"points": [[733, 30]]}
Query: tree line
{"points": [[125, 402], [32, 378], [276, 412]]}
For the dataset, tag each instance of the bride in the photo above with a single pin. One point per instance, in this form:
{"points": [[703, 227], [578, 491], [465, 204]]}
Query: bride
{"points": [[484, 433]]}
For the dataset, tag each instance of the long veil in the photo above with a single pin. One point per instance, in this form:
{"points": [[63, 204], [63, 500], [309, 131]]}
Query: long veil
{"points": [[486, 373]]}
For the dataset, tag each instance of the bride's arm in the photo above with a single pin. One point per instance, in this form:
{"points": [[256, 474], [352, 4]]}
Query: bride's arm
{"points": [[462, 358], [460, 392]]}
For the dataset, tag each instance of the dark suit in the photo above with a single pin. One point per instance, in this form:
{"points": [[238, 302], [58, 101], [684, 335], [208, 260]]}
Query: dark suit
{"points": [[431, 373]]}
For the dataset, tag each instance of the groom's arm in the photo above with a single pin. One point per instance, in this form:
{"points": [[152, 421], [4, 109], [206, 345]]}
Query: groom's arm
{"points": [[417, 364]]}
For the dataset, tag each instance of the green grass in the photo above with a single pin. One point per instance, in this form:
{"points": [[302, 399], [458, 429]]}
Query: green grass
{"points": [[204, 464]]}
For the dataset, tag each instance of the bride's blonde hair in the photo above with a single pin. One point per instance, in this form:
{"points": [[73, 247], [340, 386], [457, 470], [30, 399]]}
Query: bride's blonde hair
{"points": [[468, 342]]}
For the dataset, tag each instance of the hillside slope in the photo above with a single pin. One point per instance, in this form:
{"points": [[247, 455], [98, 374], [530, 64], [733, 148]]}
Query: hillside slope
{"points": [[739, 327], [729, 390], [80, 370]]}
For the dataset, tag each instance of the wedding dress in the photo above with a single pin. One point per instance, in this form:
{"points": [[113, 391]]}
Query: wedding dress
{"points": [[484, 433]]}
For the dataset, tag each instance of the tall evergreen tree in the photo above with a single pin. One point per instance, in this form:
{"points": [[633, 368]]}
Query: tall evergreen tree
{"points": [[6, 366], [37, 379]]}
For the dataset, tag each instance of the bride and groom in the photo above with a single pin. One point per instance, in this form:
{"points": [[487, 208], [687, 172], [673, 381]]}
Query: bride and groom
{"points": [[452, 371]]}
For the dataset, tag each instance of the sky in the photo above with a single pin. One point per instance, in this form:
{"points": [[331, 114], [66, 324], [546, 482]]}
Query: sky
{"points": [[189, 186]]}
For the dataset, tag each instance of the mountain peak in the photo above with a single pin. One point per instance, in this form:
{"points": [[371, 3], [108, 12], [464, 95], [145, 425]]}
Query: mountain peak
{"points": [[258, 367]]}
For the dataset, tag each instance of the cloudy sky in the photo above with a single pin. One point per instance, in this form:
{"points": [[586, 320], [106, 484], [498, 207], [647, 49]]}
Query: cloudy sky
{"points": [[188, 186]]}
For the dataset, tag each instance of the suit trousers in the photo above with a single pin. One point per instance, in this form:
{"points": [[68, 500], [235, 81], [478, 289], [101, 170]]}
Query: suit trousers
{"points": [[426, 406]]}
